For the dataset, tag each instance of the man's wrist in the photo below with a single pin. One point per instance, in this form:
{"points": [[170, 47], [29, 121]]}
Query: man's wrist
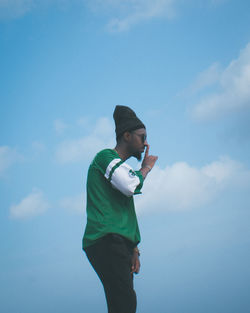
{"points": [[148, 166], [145, 170]]}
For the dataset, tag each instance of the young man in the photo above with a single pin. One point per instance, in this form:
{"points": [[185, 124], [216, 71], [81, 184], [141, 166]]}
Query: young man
{"points": [[112, 234]]}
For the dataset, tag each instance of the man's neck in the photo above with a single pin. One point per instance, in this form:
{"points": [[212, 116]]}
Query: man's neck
{"points": [[123, 152]]}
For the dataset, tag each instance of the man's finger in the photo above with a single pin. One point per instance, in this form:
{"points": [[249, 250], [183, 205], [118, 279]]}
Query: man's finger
{"points": [[147, 149]]}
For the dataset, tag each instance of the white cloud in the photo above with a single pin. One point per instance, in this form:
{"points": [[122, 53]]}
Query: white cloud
{"points": [[15, 8], [75, 150], [233, 89], [181, 186], [127, 13], [134, 11], [60, 126], [10, 9], [76, 203], [8, 156], [83, 122], [38, 146], [32, 205], [207, 78], [123, 14]]}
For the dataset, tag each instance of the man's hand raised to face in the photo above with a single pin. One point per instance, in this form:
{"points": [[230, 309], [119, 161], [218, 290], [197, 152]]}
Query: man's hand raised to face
{"points": [[148, 162]]}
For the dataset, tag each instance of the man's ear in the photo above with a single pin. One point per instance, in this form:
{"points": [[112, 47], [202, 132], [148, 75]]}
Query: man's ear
{"points": [[127, 136]]}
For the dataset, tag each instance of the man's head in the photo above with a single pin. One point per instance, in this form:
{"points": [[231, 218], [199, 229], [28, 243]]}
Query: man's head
{"points": [[130, 131]]}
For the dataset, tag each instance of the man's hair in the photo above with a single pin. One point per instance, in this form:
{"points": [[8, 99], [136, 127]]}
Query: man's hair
{"points": [[119, 138], [125, 120]]}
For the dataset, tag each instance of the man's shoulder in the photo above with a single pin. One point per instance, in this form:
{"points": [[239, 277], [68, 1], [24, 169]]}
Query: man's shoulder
{"points": [[103, 158], [106, 154]]}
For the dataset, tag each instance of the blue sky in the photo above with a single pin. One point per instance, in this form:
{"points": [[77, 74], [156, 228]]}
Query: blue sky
{"points": [[184, 67]]}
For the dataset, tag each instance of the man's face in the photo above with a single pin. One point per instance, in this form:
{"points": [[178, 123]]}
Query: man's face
{"points": [[138, 142]]}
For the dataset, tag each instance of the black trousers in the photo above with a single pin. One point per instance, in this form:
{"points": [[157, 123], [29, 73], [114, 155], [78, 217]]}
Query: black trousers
{"points": [[111, 259]]}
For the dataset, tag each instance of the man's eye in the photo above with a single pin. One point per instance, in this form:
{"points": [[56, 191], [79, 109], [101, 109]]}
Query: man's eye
{"points": [[143, 137]]}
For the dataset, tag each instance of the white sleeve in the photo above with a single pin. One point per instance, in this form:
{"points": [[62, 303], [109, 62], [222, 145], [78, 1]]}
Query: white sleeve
{"points": [[122, 177]]}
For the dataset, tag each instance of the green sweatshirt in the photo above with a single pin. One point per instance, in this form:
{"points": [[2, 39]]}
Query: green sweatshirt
{"points": [[111, 184]]}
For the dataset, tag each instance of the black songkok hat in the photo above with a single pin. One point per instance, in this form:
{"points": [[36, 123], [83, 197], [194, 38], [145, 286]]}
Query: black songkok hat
{"points": [[125, 120]]}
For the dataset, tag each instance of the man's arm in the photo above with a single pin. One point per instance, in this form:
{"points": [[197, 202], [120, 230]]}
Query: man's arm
{"points": [[121, 176]]}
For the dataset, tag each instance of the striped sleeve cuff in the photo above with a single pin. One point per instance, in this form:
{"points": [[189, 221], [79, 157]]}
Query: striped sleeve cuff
{"points": [[124, 178]]}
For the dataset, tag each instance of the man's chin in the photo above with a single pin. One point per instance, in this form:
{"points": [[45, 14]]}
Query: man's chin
{"points": [[138, 156]]}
